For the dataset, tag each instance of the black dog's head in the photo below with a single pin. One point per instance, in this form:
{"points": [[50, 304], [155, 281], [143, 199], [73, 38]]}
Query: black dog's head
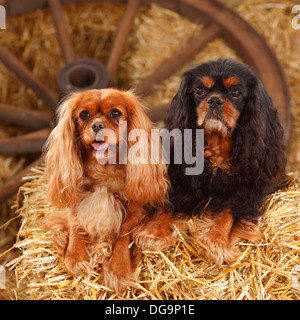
{"points": [[220, 91], [227, 98], [215, 93]]}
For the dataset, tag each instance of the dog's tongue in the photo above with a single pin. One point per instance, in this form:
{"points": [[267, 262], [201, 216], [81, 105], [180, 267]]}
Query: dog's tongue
{"points": [[99, 145]]}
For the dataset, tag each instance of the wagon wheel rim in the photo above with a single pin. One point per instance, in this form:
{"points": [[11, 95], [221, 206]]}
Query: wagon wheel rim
{"points": [[219, 20]]}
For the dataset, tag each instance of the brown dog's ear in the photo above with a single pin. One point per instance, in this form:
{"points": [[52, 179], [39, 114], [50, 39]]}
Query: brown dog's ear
{"points": [[63, 156], [146, 175]]}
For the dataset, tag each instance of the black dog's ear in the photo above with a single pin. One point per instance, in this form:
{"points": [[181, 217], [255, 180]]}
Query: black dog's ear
{"points": [[181, 108], [258, 139]]}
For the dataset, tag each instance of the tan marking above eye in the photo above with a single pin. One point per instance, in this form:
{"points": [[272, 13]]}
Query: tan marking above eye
{"points": [[230, 81], [208, 82]]}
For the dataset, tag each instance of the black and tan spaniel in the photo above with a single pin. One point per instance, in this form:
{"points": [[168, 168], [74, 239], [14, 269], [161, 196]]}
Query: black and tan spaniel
{"points": [[244, 156]]}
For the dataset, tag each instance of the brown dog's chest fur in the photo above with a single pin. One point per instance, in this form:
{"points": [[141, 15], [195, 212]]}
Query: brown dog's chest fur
{"points": [[217, 150]]}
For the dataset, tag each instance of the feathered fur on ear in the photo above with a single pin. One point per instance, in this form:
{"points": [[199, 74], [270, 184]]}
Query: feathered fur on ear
{"points": [[146, 182], [63, 156], [181, 110], [258, 137]]}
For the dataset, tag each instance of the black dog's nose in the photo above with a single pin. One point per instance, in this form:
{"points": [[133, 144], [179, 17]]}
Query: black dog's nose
{"points": [[97, 126], [215, 102]]}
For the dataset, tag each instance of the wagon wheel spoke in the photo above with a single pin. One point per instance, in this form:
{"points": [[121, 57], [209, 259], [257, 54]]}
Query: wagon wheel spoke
{"points": [[11, 187], [15, 65], [25, 144], [64, 40], [123, 33], [26, 118], [168, 67]]}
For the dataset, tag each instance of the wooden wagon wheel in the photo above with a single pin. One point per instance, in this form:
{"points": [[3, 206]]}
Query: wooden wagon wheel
{"points": [[219, 20]]}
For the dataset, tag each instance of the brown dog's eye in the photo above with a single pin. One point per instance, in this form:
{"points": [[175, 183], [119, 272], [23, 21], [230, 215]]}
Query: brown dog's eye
{"points": [[236, 93], [200, 91], [115, 114], [85, 115]]}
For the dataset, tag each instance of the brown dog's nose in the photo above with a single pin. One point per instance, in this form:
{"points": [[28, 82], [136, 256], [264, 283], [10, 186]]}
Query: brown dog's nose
{"points": [[215, 102], [97, 126]]}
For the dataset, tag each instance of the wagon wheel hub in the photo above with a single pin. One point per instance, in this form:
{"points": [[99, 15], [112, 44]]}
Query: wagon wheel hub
{"points": [[82, 74]]}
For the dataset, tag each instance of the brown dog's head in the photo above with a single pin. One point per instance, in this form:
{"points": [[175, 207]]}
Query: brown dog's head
{"points": [[93, 126]]}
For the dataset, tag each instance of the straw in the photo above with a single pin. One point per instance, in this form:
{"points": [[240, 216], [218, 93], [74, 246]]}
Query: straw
{"points": [[266, 270]]}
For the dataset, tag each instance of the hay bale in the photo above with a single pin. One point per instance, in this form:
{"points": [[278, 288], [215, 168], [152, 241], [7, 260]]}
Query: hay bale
{"points": [[267, 270]]}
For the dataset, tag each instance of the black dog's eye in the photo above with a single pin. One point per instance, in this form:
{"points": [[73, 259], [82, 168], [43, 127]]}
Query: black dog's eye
{"points": [[200, 91], [115, 114], [85, 115], [236, 93]]}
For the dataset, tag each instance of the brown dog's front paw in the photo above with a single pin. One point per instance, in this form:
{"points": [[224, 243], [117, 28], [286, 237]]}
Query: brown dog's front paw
{"points": [[159, 233], [156, 237], [77, 263], [118, 279]]}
